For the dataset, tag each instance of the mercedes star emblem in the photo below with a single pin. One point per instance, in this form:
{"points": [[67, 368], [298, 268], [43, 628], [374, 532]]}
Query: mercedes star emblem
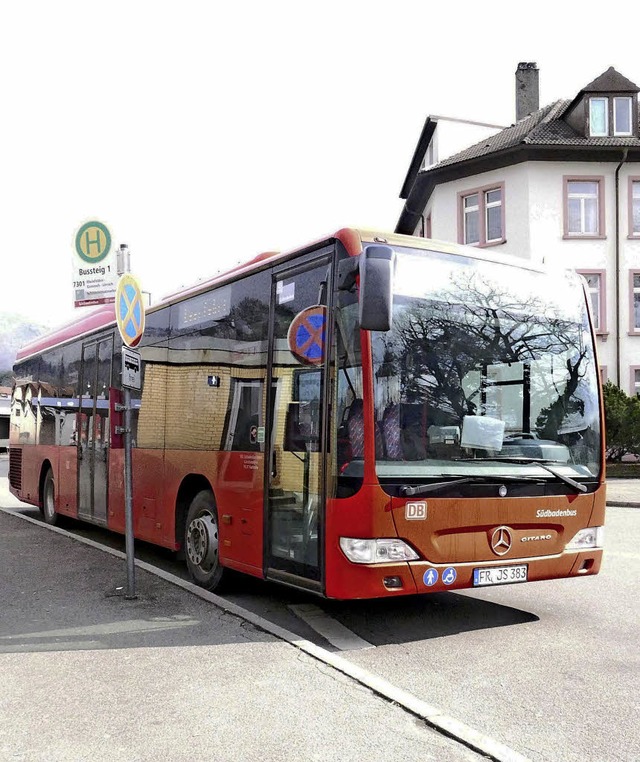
{"points": [[501, 541]]}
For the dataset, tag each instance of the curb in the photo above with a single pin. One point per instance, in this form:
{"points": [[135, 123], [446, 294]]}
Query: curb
{"points": [[431, 715]]}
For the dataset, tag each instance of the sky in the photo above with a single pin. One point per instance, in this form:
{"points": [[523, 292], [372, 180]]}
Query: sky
{"points": [[202, 133]]}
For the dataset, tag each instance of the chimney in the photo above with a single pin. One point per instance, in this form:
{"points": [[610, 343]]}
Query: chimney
{"points": [[527, 93]]}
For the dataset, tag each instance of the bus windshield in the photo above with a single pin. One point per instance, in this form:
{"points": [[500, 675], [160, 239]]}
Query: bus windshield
{"points": [[488, 369]]}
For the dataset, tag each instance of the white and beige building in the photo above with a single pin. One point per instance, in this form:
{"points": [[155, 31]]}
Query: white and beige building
{"points": [[561, 185]]}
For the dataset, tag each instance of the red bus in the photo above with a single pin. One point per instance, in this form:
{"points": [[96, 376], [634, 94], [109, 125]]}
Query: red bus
{"points": [[432, 421]]}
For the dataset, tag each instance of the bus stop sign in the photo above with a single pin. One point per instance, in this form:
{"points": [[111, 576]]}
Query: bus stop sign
{"points": [[307, 335], [129, 310], [131, 369]]}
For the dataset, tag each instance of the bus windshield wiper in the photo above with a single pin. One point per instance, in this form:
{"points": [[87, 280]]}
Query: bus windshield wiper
{"points": [[424, 489], [540, 462]]}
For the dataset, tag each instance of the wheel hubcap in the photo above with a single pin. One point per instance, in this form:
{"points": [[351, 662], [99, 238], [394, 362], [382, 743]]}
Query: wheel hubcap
{"points": [[202, 541], [49, 504]]}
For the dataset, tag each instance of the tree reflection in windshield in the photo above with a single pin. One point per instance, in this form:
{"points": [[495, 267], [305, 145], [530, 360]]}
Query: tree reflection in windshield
{"points": [[513, 365]]}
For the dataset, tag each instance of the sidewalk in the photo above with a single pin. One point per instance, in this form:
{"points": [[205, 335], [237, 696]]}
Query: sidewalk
{"points": [[88, 675], [623, 492]]}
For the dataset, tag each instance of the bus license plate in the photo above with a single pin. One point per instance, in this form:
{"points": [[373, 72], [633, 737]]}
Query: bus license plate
{"points": [[499, 575]]}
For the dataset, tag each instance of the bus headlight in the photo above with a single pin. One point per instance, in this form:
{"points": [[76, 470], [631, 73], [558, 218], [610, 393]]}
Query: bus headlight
{"points": [[591, 537], [376, 551]]}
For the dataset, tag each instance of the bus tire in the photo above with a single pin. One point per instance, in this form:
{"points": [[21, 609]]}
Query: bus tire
{"points": [[201, 541], [51, 516]]}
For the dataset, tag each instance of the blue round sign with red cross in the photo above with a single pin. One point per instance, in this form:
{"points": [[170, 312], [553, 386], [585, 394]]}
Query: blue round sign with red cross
{"points": [[129, 310], [307, 333]]}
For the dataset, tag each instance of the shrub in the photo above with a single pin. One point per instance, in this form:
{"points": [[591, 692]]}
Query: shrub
{"points": [[622, 422]]}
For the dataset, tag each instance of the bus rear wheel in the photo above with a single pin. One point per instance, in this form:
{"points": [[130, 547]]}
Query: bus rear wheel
{"points": [[49, 512], [201, 541]]}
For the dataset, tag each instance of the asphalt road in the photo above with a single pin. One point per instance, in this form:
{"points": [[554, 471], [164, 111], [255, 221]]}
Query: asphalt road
{"points": [[550, 669]]}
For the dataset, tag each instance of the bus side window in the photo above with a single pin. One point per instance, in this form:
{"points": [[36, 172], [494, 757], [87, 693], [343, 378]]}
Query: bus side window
{"points": [[243, 416]]}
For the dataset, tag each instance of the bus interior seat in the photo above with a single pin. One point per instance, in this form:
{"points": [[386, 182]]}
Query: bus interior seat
{"points": [[355, 428], [413, 427], [404, 431], [391, 432]]}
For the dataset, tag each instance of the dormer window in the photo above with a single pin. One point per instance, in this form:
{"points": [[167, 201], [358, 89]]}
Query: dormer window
{"points": [[610, 117], [622, 110], [599, 116]]}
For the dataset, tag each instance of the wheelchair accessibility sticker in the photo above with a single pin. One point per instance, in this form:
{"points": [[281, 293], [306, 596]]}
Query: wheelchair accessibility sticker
{"points": [[449, 575]]}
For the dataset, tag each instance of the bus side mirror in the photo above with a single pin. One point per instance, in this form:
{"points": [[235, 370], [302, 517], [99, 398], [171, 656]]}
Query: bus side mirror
{"points": [[376, 288]]}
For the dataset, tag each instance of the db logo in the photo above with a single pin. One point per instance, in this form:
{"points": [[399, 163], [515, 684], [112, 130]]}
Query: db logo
{"points": [[415, 511]]}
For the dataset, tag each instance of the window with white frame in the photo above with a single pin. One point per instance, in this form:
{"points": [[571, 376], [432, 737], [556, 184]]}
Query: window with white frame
{"points": [[472, 218], [596, 287], [635, 380], [605, 113], [482, 216], [635, 301], [431, 157], [634, 207], [582, 199], [622, 116], [493, 215], [598, 117]]}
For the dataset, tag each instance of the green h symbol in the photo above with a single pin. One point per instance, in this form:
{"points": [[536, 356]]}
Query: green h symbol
{"points": [[91, 241]]}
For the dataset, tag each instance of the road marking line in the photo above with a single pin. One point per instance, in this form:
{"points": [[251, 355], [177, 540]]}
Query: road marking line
{"points": [[110, 628], [337, 634], [433, 716]]}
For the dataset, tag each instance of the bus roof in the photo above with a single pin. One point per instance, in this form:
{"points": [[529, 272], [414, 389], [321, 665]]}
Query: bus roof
{"points": [[352, 238]]}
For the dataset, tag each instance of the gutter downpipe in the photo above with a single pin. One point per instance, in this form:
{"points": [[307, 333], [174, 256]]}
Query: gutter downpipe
{"points": [[617, 264]]}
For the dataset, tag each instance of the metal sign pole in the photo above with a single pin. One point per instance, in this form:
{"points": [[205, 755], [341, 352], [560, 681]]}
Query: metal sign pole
{"points": [[123, 264], [128, 499]]}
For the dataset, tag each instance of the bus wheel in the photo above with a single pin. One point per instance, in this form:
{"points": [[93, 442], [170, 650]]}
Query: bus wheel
{"points": [[201, 541], [48, 499]]}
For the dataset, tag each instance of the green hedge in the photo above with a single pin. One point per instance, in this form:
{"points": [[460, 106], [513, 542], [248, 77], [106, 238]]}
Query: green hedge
{"points": [[622, 423], [623, 470]]}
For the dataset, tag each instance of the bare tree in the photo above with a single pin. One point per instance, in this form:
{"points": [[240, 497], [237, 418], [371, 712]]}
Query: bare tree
{"points": [[472, 326]]}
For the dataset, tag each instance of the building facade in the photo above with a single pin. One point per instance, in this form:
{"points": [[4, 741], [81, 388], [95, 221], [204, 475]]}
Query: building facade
{"points": [[561, 186]]}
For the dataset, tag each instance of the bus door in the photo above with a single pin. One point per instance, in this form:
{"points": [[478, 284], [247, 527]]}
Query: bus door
{"points": [[93, 430], [294, 515]]}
